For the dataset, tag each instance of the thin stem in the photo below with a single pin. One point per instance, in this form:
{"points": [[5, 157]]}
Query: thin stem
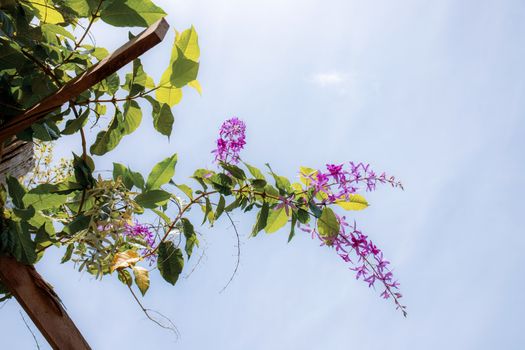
{"points": [[113, 100], [86, 31], [238, 254]]}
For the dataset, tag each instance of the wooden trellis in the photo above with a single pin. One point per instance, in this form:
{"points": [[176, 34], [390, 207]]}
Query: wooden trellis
{"points": [[16, 159]]}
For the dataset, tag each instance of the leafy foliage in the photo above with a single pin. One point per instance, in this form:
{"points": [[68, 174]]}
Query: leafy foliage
{"points": [[97, 220]]}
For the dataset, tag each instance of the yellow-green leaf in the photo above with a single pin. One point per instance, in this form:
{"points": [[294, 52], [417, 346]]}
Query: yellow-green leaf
{"points": [[141, 278], [196, 85], [328, 225], [46, 12], [276, 220], [167, 93], [354, 202], [188, 42], [304, 173]]}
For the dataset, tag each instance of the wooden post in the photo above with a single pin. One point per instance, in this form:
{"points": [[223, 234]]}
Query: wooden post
{"points": [[36, 297], [41, 304]]}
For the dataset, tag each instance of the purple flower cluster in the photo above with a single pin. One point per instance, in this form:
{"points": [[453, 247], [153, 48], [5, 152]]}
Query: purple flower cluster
{"points": [[365, 258], [339, 182], [140, 231], [232, 138]]}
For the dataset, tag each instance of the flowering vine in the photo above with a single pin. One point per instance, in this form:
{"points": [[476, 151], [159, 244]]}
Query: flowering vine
{"points": [[339, 184], [112, 224]]}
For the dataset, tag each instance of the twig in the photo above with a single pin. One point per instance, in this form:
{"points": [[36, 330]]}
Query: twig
{"points": [[147, 311], [30, 330], [238, 253]]}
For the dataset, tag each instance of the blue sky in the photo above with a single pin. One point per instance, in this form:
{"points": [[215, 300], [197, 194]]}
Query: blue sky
{"points": [[431, 92]]}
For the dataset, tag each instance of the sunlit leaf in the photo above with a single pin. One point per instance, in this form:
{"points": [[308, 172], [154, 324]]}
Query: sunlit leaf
{"points": [[141, 278], [162, 172], [328, 225], [124, 259], [276, 220], [354, 202], [45, 11], [131, 13]]}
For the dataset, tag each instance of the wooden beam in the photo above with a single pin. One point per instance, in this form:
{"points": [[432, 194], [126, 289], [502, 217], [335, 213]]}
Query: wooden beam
{"points": [[41, 304], [109, 65]]}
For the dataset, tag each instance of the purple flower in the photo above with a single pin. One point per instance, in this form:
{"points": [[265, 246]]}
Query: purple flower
{"points": [[286, 203], [341, 180], [370, 266], [232, 138], [140, 231]]}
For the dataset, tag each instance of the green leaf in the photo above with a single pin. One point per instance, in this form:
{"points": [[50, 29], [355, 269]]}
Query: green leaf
{"points": [[125, 277], [79, 223], [24, 247], [258, 183], [303, 216], [262, 219], [208, 211], [74, 125], [220, 207], [109, 139], [132, 116], [234, 170], [162, 215], [53, 29], [80, 7], [189, 234], [163, 121], [276, 220], [256, 173], [282, 183], [68, 254], [45, 131], [162, 172], [120, 170], [11, 57], [186, 189], [24, 214], [136, 81], [138, 179], [222, 183], [162, 116], [42, 238], [112, 83], [315, 209], [292, 228], [153, 198], [354, 202], [131, 13], [16, 191], [328, 225], [83, 172], [129, 178], [141, 278], [170, 262], [183, 70]]}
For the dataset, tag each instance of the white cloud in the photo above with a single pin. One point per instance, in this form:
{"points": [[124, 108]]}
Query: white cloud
{"points": [[328, 79]]}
